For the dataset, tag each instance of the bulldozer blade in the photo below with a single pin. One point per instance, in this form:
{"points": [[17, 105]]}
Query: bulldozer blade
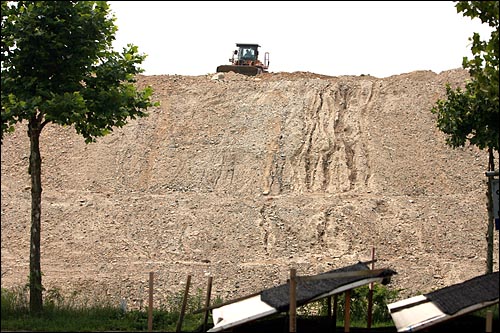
{"points": [[245, 70]]}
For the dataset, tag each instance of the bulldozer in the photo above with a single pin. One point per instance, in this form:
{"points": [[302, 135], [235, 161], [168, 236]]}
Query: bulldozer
{"points": [[245, 60]]}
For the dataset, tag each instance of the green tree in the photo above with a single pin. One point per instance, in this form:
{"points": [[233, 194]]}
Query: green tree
{"points": [[472, 115], [58, 66]]}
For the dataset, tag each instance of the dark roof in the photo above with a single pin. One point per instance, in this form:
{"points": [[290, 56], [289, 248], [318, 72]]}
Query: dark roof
{"points": [[279, 297], [453, 298]]}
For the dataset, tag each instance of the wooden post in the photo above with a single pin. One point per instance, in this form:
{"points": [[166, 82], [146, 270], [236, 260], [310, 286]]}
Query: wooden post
{"points": [[370, 294], [184, 303], [489, 321], [150, 307], [329, 311], [347, 315], [293, 300], [207, 303], [334, 314]]}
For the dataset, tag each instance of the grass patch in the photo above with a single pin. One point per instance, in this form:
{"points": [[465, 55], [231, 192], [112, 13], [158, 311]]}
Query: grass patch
{"points": [[68, 315]]}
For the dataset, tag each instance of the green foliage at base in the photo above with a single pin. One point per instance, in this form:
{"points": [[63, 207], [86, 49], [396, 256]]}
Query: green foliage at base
{"points": [[62, 314], [359, 305]]}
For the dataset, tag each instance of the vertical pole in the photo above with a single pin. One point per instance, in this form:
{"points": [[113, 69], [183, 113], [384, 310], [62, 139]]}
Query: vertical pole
{"points": [[329, 310], [184, 303], [150, 307], [370, 294], [347, 315], [207, 303], [334, 315], [489, 321], [293, 300]]}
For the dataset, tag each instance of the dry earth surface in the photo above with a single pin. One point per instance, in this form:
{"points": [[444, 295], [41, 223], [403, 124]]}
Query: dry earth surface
{"points": [[242, 178]]}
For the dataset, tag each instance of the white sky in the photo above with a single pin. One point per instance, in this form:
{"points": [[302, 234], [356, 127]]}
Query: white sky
{"points": [[380, 38]]}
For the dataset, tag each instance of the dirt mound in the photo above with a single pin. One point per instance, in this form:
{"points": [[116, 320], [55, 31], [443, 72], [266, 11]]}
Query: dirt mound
{"points": [[242, 178]]}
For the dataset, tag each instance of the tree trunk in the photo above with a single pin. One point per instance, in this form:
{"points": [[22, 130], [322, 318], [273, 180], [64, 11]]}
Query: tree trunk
{"points": [[35, 169], [491, 216]]}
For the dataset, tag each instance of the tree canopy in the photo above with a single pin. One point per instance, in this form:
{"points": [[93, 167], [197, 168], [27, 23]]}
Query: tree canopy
{"points": [[58, 66], [472, 115]]}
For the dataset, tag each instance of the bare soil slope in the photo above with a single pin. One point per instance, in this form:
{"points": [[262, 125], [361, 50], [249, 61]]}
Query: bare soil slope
{"points": [[242, 178]]}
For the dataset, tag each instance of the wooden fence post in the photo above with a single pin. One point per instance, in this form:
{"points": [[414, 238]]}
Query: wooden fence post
{"points": [[334, 314], [489, 321], [347, 315], [184, 303], [293, 300], [207, 303], [370, 294], [150, 307]]}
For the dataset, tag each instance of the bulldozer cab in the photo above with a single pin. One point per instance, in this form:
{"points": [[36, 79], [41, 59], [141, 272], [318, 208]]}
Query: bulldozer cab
{"points": [[247, 51]]}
